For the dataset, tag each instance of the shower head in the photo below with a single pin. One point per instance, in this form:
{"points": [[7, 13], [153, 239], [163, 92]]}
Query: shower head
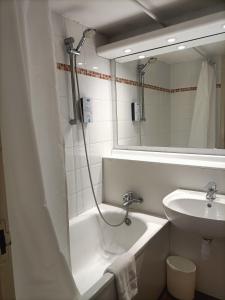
{"points": [[142, 67], [88, 33], [69, 42]]}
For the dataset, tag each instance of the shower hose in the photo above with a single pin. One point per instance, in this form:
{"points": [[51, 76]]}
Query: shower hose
{"points": [[125, 218]]}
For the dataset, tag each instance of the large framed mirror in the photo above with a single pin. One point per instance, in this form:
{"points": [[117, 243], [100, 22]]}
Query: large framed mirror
{"points": [[173, 99]]}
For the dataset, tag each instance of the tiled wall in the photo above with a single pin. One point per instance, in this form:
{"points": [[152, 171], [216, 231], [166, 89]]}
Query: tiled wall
{"points": [[155, 131], [98, 133], [157, 106], [128, 131], [153, 181], [170, 91]]}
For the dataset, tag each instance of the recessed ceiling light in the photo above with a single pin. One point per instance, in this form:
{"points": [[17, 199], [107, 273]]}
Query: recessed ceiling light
{"points": [[80, 63], [141, 56], [181, 47], [223, 26], [95, 68], [171, 40], [127, 50]]}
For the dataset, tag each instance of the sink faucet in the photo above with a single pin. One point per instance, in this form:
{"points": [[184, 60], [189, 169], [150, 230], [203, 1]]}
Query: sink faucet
{"points": [[211, 193], [130, 198]]}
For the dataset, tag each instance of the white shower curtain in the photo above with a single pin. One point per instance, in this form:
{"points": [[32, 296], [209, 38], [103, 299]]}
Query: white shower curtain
{"points": [[33, 153], [203, 127]]}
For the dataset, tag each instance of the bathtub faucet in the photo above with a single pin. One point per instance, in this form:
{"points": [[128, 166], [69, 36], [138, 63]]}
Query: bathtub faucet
{"points": [[130, 198]]}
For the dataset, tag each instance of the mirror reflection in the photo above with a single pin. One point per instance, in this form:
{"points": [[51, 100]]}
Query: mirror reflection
{"points": [[174, 100]]}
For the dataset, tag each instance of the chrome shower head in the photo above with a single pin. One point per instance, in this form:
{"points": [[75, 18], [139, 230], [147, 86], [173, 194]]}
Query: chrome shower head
{"points": [[69, 42], [142, 67], [88, 33]]}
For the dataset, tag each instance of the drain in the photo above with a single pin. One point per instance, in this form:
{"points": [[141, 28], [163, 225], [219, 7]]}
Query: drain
{"points": [[127, 221]]}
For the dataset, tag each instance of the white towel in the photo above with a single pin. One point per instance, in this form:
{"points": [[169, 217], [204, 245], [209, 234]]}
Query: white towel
{"points": [[124, 270]]}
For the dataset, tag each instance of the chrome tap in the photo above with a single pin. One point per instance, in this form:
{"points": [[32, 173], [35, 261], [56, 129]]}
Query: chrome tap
{"points": [[211, 193], [130, 198]]}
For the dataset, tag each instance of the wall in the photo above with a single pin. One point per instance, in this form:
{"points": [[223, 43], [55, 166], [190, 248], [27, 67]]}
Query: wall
{"points": [[98, 133], [157, 105], [182, 103], [153, 181], [155, 130], [128, 131], [170, 92]]}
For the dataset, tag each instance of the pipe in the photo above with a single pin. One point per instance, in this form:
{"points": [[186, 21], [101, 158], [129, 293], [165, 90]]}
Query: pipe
{"points": [[73, 121], [141, 69], [149, 13]]}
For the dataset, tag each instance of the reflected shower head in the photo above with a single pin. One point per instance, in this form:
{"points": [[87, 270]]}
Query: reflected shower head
{"points": [[88, 33], [142, 67]]}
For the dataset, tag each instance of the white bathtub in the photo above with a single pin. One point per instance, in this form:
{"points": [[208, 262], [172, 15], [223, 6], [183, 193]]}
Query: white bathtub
{"points": [[94, 245]]}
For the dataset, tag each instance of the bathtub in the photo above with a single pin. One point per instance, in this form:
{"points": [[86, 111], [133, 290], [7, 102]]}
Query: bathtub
{"points": [[95, 245]]}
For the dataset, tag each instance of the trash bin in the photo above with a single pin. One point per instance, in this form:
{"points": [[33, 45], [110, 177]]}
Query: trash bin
{"points": [[181, 276]]}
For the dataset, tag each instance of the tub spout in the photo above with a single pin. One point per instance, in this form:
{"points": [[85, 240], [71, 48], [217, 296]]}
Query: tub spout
{"points": [[130, 198]]}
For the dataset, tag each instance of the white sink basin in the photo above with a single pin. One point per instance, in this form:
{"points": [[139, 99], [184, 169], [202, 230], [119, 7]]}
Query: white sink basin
{"points": [[188, 210]]}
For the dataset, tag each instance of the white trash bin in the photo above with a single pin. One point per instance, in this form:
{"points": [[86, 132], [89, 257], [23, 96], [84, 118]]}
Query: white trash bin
{"points": [[181, 277]]}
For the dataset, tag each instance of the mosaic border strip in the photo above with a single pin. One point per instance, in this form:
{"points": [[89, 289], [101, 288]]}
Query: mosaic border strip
{"points": [[103, 76]]}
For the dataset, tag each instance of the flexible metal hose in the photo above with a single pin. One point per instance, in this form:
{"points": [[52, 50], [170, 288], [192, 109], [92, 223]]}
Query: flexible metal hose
{"points": [[87, 159]]}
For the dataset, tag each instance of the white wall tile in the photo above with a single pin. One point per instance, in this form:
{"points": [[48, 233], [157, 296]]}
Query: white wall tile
{"points": [[80, 156], [99, 150], [102, 110], [71, 183], [95, 88], [72, 205], [69, 159], [99, 133]]}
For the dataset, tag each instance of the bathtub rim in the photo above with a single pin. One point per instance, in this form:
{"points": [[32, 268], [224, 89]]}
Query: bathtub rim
{"points": [[107, 278]]}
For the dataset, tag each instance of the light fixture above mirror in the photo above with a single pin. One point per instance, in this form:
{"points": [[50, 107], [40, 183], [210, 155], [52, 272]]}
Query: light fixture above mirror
{"points": [[170, 98], [193, 33]]}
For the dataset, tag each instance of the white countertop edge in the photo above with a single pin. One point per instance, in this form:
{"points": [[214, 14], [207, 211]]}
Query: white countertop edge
{"points": [[205, 161]]}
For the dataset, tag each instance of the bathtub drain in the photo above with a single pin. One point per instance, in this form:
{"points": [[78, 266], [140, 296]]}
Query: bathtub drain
{"points": [[127, 221]]}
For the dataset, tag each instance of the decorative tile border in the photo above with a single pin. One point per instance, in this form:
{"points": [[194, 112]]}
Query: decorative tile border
{"points": [[86, 72], [99, 75]]}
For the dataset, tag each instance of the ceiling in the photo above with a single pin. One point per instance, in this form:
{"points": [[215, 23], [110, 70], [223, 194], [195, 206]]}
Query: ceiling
{"points": [[209, 51], [118, 19]]}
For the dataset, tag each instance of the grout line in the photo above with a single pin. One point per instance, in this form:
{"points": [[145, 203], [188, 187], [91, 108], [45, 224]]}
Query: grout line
{"points": [[86, 72]]}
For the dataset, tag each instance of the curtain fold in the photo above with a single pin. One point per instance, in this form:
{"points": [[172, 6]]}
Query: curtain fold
{"points": [[32, 145], [221, 142], [203, 127]]}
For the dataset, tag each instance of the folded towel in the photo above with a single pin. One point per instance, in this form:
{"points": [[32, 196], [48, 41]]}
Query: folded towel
{"points": [[124, 270]]}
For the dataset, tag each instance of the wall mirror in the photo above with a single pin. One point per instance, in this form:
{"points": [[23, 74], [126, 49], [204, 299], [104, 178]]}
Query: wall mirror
{"points": [[172, 99]]}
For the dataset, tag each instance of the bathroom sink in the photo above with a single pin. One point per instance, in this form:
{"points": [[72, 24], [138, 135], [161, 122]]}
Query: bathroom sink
{"points": [[188, 210]]}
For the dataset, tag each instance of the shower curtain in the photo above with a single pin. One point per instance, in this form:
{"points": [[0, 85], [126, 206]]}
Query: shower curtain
{"points": [[221, 142], [32, 146], [203, 127]]}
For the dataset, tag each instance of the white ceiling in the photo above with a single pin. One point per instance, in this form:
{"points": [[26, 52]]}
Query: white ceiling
{"points": [[96, 13], [209, 51], [117, 19]]}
